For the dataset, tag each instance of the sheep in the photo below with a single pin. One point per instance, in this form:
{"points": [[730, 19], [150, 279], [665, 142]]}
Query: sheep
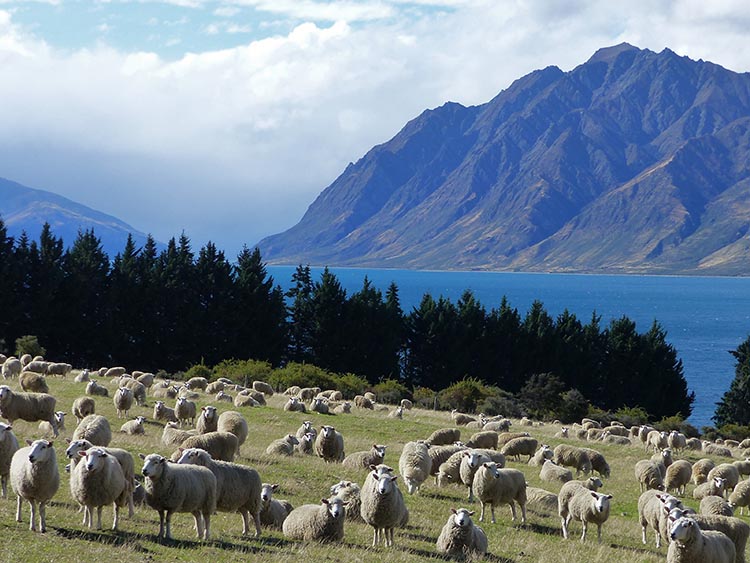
{"points": [[95, 429], [382, 505], [163, 412], [197, 383], [406, 404], [311, 522], [414, 465], [221, 445], [185, 393], [678, 476], [691, 544], [486, 439], [343, 408], [594, 434], [398, 412], [319, 405], [306, 444], [716, 506], [245, 401], [136, 387], [223, 397], [82, 407], [663, 459], [362, 402], [520, 446], [263, 387], [37, 366], [613, 439], [598, 462], [588, 507], [82, 377], [273, 511], [214, 387], [502, 425], [715, 486], [208, 420], [552, 472], [172, 436], [118, 371], [306, 428], [701, 469], [542, 454], [238, 487], [27, 406], [677, 441], [656, 440], [694, 444], [460, 537], [45, 428], [741, 495], [471, 461], [648, 475], [743, 466], [363, 460], [8, 447], [307, 393], [444, 436], [12, 368], [145, 379], [25, 359], [653, 507], [729, 472], [33, 382], [185, 411], [450, 470], [440, 454], [257, 396], [123, 401], [34, 477], [169, 392], [572, 456], [350, 494], [713, 449], [539, 499], [329, 444], [494, 486], [563, 432], [461, 419], [294, 405], [172, 487], [97, 481], [371, 396], [59, 368], [331, 394], [283, 446], [234, 423], [292, 391], [134, 427], [734, 528], [93, 388]]}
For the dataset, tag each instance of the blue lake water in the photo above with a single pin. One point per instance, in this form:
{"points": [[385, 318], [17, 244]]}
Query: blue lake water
{"points": [[704, 317]]}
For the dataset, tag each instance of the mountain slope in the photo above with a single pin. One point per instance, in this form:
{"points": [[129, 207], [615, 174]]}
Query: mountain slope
{"points": [[27, 209], [634, 161]]}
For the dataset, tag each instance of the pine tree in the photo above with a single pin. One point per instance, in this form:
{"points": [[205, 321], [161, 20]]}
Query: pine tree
{"points": [[214, 287], [301, 316], [734, 406], [8, 297], [330, 341]]}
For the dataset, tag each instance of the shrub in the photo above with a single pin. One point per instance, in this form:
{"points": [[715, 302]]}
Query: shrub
{"points": [[541, 396], [734, 432], [501, 403], [29, 344], [390, 391], [464, 395], [676, 422], [304, 375], [573, 406], [424, 397], [350, 385], [198, 370], [631, 416], [243, 371]]}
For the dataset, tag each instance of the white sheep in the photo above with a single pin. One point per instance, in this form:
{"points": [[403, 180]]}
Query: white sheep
{"points": [[234, 423], [690, 544], [587, 507], [123, 401], [312, 522], [714, 449], [134, 427], [117, 371], [96, 481], [222, 397], [45, 428], [306, 444], [493, 485], [12, 368], [677, 440], [715, 486], [27, 406], [273, 511], [283, 446], [221, 445], [245, 401], [32, 382], [83, 377], [656, 440], [460, 537], [343, 408], [351, 495], [382, 505], [185, 411], [648, 475], [93, 388], [517, 447], [163, 412], [734, 528], [653, 507], [728, 472], [741, 495], [306, 428], [444, 436], [82, 407], [329, 444], [716, 506], [551, 472], [701, 469], [263, 387], [168, 392], [572, 456], [678, 476], [319, 405], [406, 404], [174, 488], [34, 477], [471, 461], [542, 454], [414, 465], [294, 405], [363, 460], [197, 383], [208, 420], [172, 436], [441, 454], [238, 487], [486, 439], [94, 428], [540, 499], [8, 447]]}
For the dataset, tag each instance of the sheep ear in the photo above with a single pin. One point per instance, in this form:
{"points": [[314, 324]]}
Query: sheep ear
{"points": [[142, 456], [375, 476], [610, 496], [373, 467], [275, 487], [453, 510], [593, 494], [487, 464], [394, 477], [471, 513], [325, 501], [83, 453], [67, 440], [29, 442]]}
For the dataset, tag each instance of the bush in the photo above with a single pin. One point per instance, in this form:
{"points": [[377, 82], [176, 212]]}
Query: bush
{"points": [[390, 391], [350, 385], [501, 403], [541, 396], [573, 406], [464, 395], [677, 423], [29, 344], [304, 375], [631, 416], [424, 397], [734, 432], [243, 372], [198, 370]]}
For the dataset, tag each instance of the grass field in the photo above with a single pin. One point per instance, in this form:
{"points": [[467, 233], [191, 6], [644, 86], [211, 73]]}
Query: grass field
{"points": [[307, 480]]}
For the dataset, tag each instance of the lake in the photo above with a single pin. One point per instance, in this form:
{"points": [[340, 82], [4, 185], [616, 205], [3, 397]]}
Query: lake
{"points": [[704, 317]]}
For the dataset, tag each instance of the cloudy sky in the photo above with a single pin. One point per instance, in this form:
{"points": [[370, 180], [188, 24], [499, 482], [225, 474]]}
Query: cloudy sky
{"points": [[226, 118]]}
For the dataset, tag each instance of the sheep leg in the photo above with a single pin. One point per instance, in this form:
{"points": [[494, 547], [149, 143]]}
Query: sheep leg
{"points": [[131, 505], [198, 524], [492, 511], [481, 514], [245, 526], [389, 537], [564, 524], [375, 537], [99, 517], [5, 486], [523, 513], [643, 535], [32, 525], [583, 535], [256, 517], [658, 539], [86, 521], [512, 511], [18, 509], [42, 516], [116, 519], [206, 524], [161, 523], [599, 532]]}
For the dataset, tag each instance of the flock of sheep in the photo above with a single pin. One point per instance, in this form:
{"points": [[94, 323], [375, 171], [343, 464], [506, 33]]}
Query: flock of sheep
{"points": [[201, 477]]}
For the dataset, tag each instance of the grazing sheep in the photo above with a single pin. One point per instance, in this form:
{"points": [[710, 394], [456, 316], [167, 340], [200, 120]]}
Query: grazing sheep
{"points": [[663, 459], [273, 511], [587, 507], [444, 436], [169, 392], [541, 500], [263, 387], [221, 445], [551, 472], [93, 388], [223, 397], [82, 407], [743, 466], [238, 487], [440, 454], [12, 368], [95, 429], [715, 486], [311, 522], [712, 505], [343, 408], [208, 420], [136, 387], [134, 427], [319, 405], [173, 437], [656, 440], [460, 537], [694, 444], [25, 359], [8, 447], [414, 465], [678, 476], [461, 419], [171, 487], [163, 412], [294, 405], [37, 366], [245, 401], [329, 444], [648, 475], [123, 401], [362, 402], [235, 423], [283, 446], [96, 481], [450, 470], [728, 472], [713, 449], [145, 379], [691, 544], [741, 495], [494, 486], [350, 494], [118, 371], [307, 393], [615, 440], [214, 387], [185, 411], [45, 428], [197, 383], [598, 462], [382, 505], [34, 477], [27, 406], [677, 441], [572, 456], [502, 425], [363, 460], [33, 382], [701, 469], [486, 440], [653, 507], [542, 454], [292, 391]]}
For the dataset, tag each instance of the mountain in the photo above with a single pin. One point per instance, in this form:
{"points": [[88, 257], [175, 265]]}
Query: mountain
{"points": [[27, 209], [632, 162]]}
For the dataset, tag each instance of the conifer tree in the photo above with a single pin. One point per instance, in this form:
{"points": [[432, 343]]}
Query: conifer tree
{"points": [[734, 406]]}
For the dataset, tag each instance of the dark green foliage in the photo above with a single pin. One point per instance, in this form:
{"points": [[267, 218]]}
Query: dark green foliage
{"points": [[572, 407], [631, 416], [501, 403], [733, 432], [198, 370], [29, 344], [465, 395], [391, 391], [541, 396], [243, 372], [734, 406], [424, 397]]}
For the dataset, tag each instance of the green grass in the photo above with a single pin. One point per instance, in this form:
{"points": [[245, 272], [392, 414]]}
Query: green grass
{"points": [[307, 480]]}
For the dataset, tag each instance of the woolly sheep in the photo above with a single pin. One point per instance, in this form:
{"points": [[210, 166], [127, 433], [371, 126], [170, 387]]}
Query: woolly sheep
{"points": [[172, 487], [257, 396], [663, 459], [37, 366], [460, 537], [505, 437], [406, 404], [701, 469], [145, 379], [221, 396], [414, 465], [493, 485], [715, 486], [677, 441], [95, 429], [319, 405], [741, 495], [332, 394], [25, 359], [306, 444], [727, 471], [362, 402], [27, 406], [292, 391], [329, 444], [96, 481], [563, 433], [163, 412], [208, 420], [312, 522], [172, 436], [398, 412], [263, 387], [382, 506], [45, 428], [307, 393], [440, 454], [34, 477], [137, 388], [123, 401], [82, 407], [594, 434], [520, 446], [678, 476], [273, 511], [613, 439], [234, 423], [471, 461], [449, 470], [486, 439], [716, 506], [8, 447], [221, 445], [461, 419], [343, 408], [474, 424], [363, 460], [115, 372], [197, 383], [283, 446], [598, 462], [185, 393], [656, 440], [572, 456], [371, 396], [214, 387], [12, 368], [734, 528], [694, 444], [33, 382], [648, 475], [295, 405], [502, 425], [444, 436], [542, 454], [690, 544], [743, 466], [93, 388], [238, 487], [653, 507], [713, 449], [134, 427], [539, 499], [350, 494], [169, 392], [185, 411], [587, 507], [306, 428], [551, 472]]}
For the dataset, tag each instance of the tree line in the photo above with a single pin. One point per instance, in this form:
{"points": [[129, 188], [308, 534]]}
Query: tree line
{"points": [[172, 308]]}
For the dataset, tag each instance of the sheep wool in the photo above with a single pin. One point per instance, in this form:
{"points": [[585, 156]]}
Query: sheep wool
{"points": [[587, 507], [34, 477], [30, 407], [460, 537], [98, 480], [312, 522], [330, 444], [94, 428], [8, 447], [382, 505], [494, 486], [690, 544], [273, 511], [414, 465], [363, 460]]}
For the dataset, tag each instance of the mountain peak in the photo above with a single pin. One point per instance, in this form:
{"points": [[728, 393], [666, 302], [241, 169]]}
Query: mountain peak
{"points": [[608, 54]]}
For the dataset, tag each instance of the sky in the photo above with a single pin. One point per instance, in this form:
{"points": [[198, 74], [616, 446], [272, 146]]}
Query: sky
{"points": [[225, 119]]}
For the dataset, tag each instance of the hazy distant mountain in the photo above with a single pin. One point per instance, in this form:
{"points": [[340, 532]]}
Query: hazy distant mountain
{"points": [[27, 209], [634, 161]]}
